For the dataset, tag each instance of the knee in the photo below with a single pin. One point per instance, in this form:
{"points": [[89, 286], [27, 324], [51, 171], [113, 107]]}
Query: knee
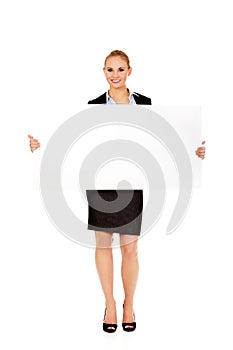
{"points": [[129, 251]]}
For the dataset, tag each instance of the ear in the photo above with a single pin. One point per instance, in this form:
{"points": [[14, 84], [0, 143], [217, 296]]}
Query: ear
{"points": [[129, 71]]}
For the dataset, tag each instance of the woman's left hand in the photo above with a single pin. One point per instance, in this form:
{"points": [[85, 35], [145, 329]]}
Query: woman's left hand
{"points": [[200, 151]]}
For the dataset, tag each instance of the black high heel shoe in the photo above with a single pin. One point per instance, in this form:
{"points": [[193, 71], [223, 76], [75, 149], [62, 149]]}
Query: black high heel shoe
{"points": [[109, 327], [129, 326]]}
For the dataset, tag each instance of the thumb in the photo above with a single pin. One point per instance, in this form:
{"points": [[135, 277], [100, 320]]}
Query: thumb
{"points": [[30, 136], [203, 142]]}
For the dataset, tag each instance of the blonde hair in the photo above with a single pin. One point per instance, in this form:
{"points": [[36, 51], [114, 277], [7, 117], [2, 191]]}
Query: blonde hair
{"points": [[118, 53]]}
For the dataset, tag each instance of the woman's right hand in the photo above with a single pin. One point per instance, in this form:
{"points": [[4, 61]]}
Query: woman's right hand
{"points": [[34, 144]]}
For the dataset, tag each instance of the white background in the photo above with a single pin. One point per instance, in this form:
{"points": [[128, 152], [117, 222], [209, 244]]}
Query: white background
{"points": [[51, 59]]}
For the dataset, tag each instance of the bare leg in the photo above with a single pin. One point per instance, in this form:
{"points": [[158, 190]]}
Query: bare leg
{"points": [[104, 265], [129, 272]]}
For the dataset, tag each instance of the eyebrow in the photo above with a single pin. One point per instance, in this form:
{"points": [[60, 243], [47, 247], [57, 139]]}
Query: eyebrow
{"points": [[118, 67]]}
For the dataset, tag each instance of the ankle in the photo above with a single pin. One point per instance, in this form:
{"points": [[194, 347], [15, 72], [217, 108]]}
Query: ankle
{"points": [[110, 303], [128, 303]]}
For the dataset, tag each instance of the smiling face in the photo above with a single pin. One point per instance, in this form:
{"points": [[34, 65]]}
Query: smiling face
{"points": [[116, 71]]}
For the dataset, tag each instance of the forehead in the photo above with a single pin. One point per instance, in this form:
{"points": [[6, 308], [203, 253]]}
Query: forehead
{"points": [[116, 61]]}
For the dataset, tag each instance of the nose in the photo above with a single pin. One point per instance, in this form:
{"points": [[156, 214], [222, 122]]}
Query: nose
{"points": [[115, 74]]}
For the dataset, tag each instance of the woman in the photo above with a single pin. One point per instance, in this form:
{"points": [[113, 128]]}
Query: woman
{"points": [[117, 69]]}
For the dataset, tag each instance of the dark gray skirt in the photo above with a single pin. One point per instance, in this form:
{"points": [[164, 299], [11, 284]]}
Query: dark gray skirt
{"points": [[115, 211]]}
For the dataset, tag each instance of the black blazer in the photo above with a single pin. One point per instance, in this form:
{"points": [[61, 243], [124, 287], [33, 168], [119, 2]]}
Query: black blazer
{"points": [[139, 99]]}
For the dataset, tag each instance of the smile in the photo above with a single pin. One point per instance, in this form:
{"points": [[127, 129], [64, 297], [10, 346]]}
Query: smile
{"points": [[115, 81]]}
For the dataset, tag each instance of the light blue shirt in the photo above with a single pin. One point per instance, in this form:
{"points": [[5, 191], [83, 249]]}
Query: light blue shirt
{"points": [[109, 100]]}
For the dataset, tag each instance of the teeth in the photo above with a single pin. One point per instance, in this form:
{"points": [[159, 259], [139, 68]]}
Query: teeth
{"points": [[115, 81]]}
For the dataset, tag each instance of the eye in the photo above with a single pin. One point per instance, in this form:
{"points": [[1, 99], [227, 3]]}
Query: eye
{"points": [[121, 69], [109, 69]]}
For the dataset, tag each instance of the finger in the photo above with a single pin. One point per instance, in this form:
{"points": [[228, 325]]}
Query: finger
{"points": [[30, 136], [34, 148], [203, 142], [34, 142], [200, 155]]}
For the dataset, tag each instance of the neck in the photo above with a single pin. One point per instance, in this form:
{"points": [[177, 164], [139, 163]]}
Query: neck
{"points": [[118, 92]]}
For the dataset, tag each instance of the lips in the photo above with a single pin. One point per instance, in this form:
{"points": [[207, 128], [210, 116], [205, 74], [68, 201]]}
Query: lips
{"points": [[115, 81]]}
